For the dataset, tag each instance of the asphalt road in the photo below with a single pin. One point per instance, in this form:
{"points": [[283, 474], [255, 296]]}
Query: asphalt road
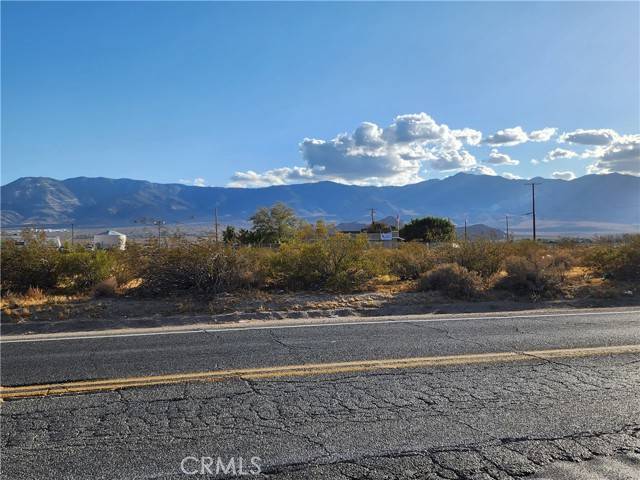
{"points": [[461, 420]]}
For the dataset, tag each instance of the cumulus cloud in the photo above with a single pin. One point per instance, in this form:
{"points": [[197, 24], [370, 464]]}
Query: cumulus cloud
{"points": [[372, 155], [511, 176], [482, 170], [543, 135], [413, 144], [516, 135], [603, 136], [497, 158], [622, 156], [557, 153], [277, 176], [508, 137], [196, 182], [564, 175], [468, 135]]}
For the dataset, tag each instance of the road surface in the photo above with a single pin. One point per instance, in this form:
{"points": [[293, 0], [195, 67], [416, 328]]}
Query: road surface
{"points": [[491, 396]]}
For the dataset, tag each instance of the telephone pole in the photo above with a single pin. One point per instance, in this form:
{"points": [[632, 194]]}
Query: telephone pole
{"points": [[215, 214], [533, 206], [72, 234], [465, 229], [372, 216], [506, 217]]}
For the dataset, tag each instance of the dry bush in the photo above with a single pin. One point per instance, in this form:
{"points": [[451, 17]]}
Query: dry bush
{"points": [[204, 266], [535, 277], [339, 262], [452, 280], [106, 288], [40, 265], [481, 256], [34, 293], [410, 260], [80, 270], [620, 261], [33, 265]]}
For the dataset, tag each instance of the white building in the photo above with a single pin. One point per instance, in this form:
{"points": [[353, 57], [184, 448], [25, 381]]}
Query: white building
{"points": [[110, 239]]}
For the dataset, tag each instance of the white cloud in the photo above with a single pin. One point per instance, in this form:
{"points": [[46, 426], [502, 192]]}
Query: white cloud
{"points": [[557, 153], [468, 135], [482, 170], [196, 182], [277, 176], [511, 176], [543, 135], [622, 156], [603, 136], [497, 158], [508, 137], [372, 155], [564, 175], [535, 162]]}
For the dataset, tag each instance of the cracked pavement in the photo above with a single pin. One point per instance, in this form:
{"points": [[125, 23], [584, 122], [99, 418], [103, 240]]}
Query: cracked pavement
{"points": [[489, 421]]}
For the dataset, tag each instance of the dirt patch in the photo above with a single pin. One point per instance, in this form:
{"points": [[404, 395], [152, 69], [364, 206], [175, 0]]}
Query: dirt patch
{"points": [[44, 314]]}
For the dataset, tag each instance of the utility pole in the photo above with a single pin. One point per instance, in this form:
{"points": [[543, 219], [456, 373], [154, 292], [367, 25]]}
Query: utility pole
{"points": [[465, 229], [372, 216], [215, 214], [72, 234], [506, 217], [533, 206]]}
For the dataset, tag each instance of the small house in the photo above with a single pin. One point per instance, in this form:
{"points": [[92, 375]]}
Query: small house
{"points": [[110, 239]]}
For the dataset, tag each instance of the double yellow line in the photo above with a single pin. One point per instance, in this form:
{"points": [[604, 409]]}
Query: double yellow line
{"points": [[93, 386]]}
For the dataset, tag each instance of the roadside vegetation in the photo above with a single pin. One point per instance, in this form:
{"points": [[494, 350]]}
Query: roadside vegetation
{"points": [[281, 253]]}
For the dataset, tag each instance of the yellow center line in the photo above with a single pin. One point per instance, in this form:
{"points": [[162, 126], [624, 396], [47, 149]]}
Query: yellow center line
{"points": [[92, 386]]}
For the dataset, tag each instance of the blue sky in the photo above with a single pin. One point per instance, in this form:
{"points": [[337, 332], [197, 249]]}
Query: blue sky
{"points": [[226, 94]]}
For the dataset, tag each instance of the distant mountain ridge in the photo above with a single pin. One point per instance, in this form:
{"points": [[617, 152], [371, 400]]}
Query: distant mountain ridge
{"points": [[588, 201]]}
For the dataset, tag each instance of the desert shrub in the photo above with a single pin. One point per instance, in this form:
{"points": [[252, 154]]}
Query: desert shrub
{"points": [[338, 262], [411, 260], [452, 280], [34, 293], [620, 261], [106, 288], [128, 264], [535, 276], [80, 269], [481, 256], [523, 248], [204, 266], [35, 264]]}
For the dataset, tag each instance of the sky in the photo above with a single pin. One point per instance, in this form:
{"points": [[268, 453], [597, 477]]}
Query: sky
{"points": [[258, 94]]}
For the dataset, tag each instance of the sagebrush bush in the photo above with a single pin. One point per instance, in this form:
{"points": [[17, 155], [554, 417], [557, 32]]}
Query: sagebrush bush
{"points": [[620, 261], [106, 288], [33, 265], [339, 262], [536, 276], [452, 280], [480, 256], [411, 260], [204, 266], [80, 269]]}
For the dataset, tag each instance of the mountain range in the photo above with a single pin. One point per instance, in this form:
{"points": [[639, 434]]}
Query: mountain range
{"points": [[588, 204]]}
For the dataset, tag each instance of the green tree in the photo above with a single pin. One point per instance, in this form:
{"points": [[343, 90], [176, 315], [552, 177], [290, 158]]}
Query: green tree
{"points": [[229, 234], [274, 224], [429, 229]]}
